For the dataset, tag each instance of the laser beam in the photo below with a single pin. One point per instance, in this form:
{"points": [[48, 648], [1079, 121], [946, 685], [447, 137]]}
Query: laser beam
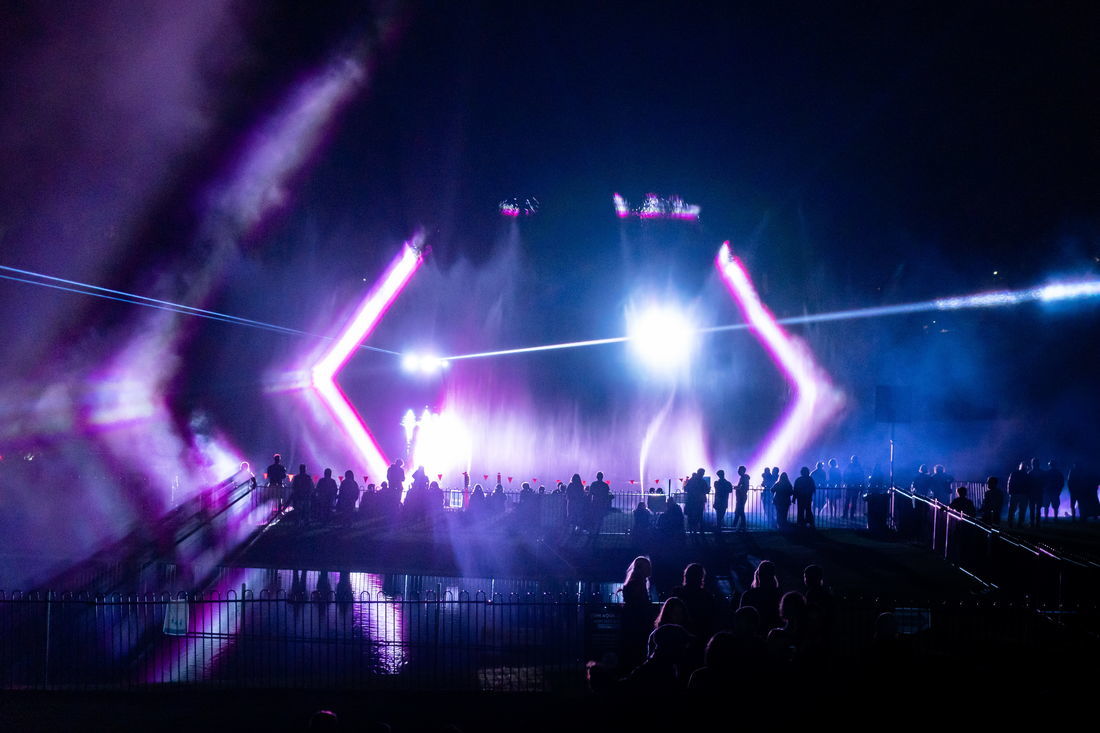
{"points": [[1050, 293], [121, 296]]}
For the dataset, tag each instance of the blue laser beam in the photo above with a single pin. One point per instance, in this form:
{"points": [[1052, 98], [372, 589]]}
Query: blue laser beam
{"points": [[121, 296]]}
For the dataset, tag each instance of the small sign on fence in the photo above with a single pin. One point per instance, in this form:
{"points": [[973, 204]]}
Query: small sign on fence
{"points": [[175, 618]]}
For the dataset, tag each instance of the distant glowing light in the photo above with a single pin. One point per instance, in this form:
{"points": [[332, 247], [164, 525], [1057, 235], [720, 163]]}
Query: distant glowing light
{"points": [[370, 312], [443, 440], [816, 400], [662, 337], [655, 207], [423, 364], [1068, 291]]}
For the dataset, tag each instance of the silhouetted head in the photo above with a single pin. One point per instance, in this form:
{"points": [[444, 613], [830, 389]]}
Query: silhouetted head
{"points": [[741, 470], [278, 458], [599, 475], [721, 652], [938, 469], [324, 720], [542, 489], [783, 478], [854, 460], [399, 463], [434, 486], [764, 577], [639, 570], [813, 576], [746, 622], [961, 491], [695, 575], [792, 606], [576, 478], [775, 470], [349, 475], [669, 642], [923, 469], [886, 627], [701, 472], [721, 473], [384, 486], [525, 486], [301, 468], [820, 464], [992, 482], [805, 471], [328, 473], [767, 472], [832, 463], [673, 611]]}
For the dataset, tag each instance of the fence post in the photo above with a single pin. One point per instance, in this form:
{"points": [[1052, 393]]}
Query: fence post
{"points": [[46, 666]]}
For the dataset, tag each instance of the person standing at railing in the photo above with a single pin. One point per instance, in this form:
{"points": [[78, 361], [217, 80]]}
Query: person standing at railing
{"points": [[767, 482], [1036, 478], [695, 495], [276, 481], [1082, 483], [784, 493], [722, 491], [325, 497], [347, 497], [855, 478], [961, 503], [301, 493], [922, 482], [992, 502], [804, 487], [821, 480], [940, 484], [741, 495], [1019, 494], [599, 498]]}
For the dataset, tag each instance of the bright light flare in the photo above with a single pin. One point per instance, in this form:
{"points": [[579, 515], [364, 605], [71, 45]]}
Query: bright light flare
{"points": [[662, 337], [423, 364]]}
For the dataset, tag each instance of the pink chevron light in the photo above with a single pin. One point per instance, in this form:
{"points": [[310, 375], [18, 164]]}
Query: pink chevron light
{"points": [[323, 372], [816, 401]]}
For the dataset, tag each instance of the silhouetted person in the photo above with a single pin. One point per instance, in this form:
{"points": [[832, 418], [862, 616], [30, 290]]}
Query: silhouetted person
{"points": [[666, 667], [1036, 482], [763, 595], [670, 523], [637, 612], [804, 487], [599, 497], [1054, 481], [820, 607], [395, 477], [821, 480], [722, 491], [276, 481], [700, 602], [962, 504], [497, 502], [695, 500], [854, 482], [741, 495], [326, 496], [784, 493], [718, 675], [348, 495], [940, 483], [788, 637], [992, 502], [477, 509], [301, 493], [767, 496], [1019, 494], [576, 502], [642, 524], [922, 482]]}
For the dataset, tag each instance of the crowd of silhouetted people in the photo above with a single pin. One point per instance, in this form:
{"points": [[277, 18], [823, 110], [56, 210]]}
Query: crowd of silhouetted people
{"points": [[580, 507]]}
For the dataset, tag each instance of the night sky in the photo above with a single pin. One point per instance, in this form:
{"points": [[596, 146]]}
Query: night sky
{"points": [[854, 154]]}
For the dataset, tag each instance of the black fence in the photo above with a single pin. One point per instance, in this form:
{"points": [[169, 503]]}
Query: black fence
{"points": [[430, 642]]}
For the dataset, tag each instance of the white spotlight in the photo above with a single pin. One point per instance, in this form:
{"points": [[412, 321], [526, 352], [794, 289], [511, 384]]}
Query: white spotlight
{"points": [[663, 337], [423, 364]]}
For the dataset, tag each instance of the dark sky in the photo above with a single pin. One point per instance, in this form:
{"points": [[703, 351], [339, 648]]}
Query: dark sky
{"points": [[855, 154]]}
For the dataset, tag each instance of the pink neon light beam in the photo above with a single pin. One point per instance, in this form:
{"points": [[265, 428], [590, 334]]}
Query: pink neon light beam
{"points": [[816, 401], [323, 373]]}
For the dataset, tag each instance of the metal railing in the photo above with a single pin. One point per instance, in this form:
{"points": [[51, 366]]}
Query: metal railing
{"points": [[1016, 566], [437, 641]]}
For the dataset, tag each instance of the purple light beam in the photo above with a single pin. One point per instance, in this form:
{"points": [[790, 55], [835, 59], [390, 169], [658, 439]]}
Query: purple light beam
{"points": [[323, 372], [816, 401]]}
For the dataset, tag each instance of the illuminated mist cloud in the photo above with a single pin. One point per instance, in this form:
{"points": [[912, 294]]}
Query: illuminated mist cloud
{"points": [[816, 401], [655, 207], [515, 207], [322, 373]]}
